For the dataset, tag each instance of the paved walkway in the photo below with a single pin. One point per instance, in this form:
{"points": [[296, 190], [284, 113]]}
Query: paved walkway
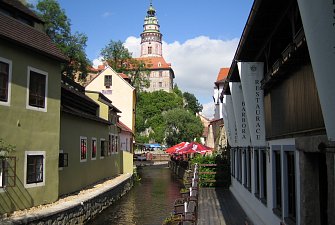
{"points": [[219, 207], [23, 217]]}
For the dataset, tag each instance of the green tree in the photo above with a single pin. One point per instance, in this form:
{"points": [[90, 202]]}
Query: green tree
{"points": [[58, 28], [191, 103], [120, 59], [181, 125], [177, 91]]}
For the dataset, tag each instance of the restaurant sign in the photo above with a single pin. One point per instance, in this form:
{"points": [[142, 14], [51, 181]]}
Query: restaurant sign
{"points": [[251, 74], [318, 19], [243, 133]]}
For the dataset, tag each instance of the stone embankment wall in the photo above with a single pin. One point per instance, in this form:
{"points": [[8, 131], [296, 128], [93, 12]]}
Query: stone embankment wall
{"points": [[81, 212], [180, 170]]}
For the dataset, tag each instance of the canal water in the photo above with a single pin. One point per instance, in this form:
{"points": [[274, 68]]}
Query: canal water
{"points": [[149, 202]]}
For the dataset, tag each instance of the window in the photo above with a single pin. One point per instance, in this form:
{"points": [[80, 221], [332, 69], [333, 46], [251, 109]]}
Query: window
{"points": [[233, 162], [63, 160], [94, 148], [7, 172], [3, 173], [264, 177], [239, 165], [160, 84], [113, 144], [278, 189], [108, 80], [160, 73], [83, 149], [37, 89], [110, 144], [5, 80], [35, 169], [116, 144], [249, 169], [291, 184], [245, 176], [149, 50], [256, 164], [102, 148]]}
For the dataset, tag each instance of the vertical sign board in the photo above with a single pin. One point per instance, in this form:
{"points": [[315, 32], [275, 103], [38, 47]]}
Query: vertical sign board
{"points": [[243, 133], [251, 74], [318, 19], [226, 124], [231, 121]]}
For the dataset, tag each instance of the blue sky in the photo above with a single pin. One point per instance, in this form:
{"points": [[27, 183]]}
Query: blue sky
{"points": [[199, 36]]}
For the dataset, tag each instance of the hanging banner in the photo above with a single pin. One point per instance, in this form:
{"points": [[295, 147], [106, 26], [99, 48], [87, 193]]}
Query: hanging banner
{"points": [[231, 121], [226, 124], [243, 133], [251, 74], [318, 19]]}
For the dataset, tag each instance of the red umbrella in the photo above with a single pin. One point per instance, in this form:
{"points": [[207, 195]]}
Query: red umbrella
{"points": [[194, 147], [174, 148]]}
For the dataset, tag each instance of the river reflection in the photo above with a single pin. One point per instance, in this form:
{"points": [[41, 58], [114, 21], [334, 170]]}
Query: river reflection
{"points": [[148, 203]]}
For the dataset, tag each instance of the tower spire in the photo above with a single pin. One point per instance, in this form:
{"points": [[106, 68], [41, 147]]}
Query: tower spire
{"points": [[151, 38]]}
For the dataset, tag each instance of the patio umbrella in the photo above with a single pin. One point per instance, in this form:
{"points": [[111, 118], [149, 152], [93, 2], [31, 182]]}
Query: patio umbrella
{"points": [[174, 148], [194, 147]]}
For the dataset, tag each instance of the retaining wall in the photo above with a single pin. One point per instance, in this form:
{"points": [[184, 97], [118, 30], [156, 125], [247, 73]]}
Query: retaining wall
{"points": [[79, 212]]}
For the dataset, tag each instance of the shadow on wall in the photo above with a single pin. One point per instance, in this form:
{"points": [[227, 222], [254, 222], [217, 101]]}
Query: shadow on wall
{"points": [[15, 198]]}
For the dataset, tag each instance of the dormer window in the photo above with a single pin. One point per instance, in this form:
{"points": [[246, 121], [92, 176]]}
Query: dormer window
{"points": [[108, 81], [159, 64]]}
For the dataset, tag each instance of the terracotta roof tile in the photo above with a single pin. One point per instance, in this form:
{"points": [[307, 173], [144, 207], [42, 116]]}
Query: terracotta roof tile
{"points": [[223, 73], [155, 62], [124, 127], [124, 76], [27, 36]]}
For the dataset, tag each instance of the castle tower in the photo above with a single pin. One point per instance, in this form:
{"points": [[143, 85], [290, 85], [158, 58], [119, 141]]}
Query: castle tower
{"points": [[161, 74], [151, 38]]}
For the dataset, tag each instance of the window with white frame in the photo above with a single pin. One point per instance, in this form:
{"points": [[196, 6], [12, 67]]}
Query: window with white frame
{"points": [[290, 185], [277, 203], [248, 161], [110, 144], [102, 148], [116, 144], [34, 168], [245, 177], [3, 173], [5, 81], [93, 148], [37, 89], [108, 80], [256, 169], [263, 176], [83, 149]]}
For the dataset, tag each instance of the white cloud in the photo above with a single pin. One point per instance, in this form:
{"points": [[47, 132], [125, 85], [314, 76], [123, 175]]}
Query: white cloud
{"points": [[208, 110], [134, 45], [97, 62], [196, 62]]}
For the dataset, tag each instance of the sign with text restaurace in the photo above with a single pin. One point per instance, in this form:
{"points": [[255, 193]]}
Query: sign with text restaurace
{"points": [[231, 121], [318, 19], [243, 133], [251, 74]]}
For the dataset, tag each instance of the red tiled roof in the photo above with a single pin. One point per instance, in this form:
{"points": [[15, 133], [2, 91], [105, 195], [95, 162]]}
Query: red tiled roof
{"points": [[155, 62], [27, 36], [223, 73], [124, 76], [124, 127]]}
